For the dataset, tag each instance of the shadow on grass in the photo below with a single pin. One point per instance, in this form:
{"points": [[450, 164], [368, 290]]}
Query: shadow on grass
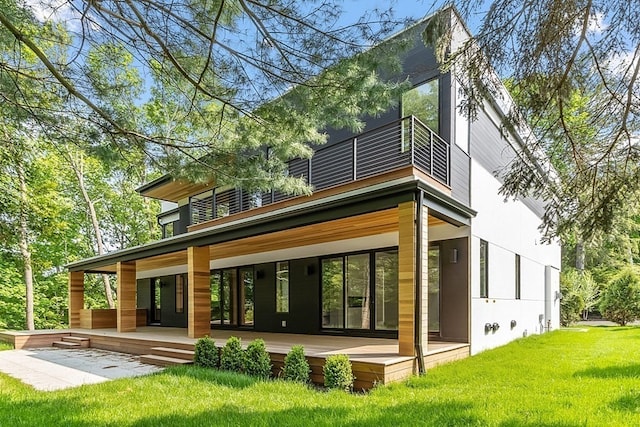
{"points": [[519, 423], [625, 371], [449, 414], [628, 403]]}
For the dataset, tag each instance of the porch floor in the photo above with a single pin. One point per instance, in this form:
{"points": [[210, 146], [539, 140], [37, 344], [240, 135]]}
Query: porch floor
{"points": [[374, 360]]}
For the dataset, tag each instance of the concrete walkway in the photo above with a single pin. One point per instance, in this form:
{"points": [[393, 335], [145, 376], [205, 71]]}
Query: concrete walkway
{"points": [[50, 368]]}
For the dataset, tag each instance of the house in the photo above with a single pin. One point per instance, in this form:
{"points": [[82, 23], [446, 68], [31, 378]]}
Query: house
{"points": [[405, 238]]}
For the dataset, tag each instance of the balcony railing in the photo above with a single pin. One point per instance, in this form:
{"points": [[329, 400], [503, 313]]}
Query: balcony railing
{"points": [[397, 144]]}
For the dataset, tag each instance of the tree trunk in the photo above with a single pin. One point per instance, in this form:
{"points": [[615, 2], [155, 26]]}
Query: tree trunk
{"points": [[79, 171], [580, 255], [24, 248]]}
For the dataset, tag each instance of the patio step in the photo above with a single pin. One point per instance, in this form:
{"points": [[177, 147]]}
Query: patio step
{"points": [[83, 341], [72, 342], [177, 353], [66, 344], [154, 359]]}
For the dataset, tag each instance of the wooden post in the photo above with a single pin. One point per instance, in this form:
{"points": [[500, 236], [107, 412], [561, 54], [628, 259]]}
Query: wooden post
{"points": [[424, 279], [76, 297], [199, 292], [126, 311], [406, 278]]}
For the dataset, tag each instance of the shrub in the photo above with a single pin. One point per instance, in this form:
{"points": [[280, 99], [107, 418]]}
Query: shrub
{"points": [[620, 301], [579, 295], [232, 357], [296, 367], [257, 361], [338, 372], [206, 353]]}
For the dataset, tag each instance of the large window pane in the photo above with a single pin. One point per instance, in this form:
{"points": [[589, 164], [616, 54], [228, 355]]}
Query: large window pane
{"points": [[387, 290], [434, 289], [282, 287], [216, 303], [332, 293], [246, 296], [422, 102], [229, 299], [358, 291]]}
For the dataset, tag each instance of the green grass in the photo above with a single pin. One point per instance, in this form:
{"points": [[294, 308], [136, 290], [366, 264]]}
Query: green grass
{"points": [[564, 378], [5, 346]]}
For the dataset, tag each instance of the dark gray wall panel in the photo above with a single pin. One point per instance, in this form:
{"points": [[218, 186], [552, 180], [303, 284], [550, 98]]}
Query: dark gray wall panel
{"points": [[304, 291], [454, 293], [143, 296], [493, 153], [264, 295], [460, 168]]}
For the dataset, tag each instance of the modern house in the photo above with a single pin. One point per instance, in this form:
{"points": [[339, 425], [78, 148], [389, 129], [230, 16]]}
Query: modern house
{"points": [[405, 238]]}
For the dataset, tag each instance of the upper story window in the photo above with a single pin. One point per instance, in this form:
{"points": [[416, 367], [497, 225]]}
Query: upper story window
{"points": [[423, 102]]}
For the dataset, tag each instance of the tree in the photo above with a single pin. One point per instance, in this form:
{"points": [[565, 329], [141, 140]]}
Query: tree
{"points": [[222, 64], [551, 51], [621, 298], [579, 295]]}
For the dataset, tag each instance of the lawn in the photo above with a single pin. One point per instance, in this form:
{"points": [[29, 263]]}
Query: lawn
{"points": [[564, 378]]}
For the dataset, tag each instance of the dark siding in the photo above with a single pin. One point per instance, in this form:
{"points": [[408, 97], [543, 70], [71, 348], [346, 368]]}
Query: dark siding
{"points": [[143, 296], [265, 297], [493, 153], [454, 296], [180, 226], [168, 315], [304, 301], [460, 166]]}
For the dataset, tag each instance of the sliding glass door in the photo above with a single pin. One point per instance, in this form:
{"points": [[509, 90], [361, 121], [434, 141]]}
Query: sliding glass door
{"points": [[232, 296]]}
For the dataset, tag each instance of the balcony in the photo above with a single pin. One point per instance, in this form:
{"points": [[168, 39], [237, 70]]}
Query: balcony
{"points": [[398, 144]]}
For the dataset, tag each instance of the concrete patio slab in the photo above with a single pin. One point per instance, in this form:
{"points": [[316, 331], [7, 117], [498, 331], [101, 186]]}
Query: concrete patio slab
{"points": [[49, 369]]}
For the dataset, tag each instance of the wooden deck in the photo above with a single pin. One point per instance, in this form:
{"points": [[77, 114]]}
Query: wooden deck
{"points": [[374, 360]]}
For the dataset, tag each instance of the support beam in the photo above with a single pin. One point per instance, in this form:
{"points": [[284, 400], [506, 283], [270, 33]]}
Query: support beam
{"points": [[76, 297], [126, 311], [199, 292], [406, 278], [422, 256]]}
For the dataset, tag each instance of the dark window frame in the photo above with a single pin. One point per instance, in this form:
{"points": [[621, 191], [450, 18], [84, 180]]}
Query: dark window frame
{"points": [[484, 269]]}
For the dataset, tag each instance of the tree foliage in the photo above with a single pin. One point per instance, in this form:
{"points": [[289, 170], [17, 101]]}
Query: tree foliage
{"points": [[551, 51], [621, 298]]}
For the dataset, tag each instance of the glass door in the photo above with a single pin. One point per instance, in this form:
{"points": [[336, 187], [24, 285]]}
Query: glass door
{"points": [[246, 296]]}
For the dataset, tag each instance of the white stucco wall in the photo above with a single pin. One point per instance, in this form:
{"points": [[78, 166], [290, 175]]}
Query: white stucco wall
{"points": [[510, 228]]}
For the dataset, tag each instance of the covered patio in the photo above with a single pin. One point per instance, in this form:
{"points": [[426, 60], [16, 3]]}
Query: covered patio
{"points": [[374, 360]]}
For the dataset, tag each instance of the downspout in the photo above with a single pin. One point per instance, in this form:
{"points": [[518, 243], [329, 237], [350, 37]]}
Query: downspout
{"points": [[418, 283]]}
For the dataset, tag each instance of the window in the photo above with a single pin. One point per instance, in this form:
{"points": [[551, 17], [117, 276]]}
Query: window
{"points": [[484, 269], [282, 287], [386, 301], [179, 293], [434, 289], [348, 286], [168, 230], [423, 102], [518, 276]]}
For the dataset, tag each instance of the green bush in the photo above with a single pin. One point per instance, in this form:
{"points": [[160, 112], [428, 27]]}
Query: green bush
{"points": [[620, 300], [206, 353], [296, 367], [579, 295], [338, 372], [257, 360], [232, 357]]}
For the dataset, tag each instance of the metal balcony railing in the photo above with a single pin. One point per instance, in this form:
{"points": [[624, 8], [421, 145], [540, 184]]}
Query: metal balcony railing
{"points": [[401, 143]]}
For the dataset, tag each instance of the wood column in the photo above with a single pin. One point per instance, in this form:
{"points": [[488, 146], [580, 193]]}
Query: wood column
{"points": [[126, 311], [199, 292], [406, 278], [423, 281], [76, 297]]}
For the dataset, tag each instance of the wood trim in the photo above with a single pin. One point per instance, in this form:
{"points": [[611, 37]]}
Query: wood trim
{"points": [[406, 278], [346, 228], [199, 292], [76, 297], [327, 192], [126, 311]]}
